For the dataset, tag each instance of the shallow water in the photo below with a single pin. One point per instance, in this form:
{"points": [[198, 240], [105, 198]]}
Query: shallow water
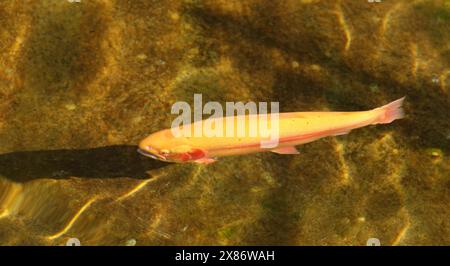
{"points": [[82, 83]]}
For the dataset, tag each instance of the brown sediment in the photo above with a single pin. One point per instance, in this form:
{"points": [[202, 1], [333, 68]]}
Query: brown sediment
{"points": [[78, 78]]}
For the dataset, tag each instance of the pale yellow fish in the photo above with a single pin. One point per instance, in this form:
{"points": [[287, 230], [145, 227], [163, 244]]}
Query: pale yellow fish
{"points": [[293, 129]]}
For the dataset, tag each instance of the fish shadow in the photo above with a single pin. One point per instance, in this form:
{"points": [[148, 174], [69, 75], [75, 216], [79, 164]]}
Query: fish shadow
{"points": [[104, 162]]}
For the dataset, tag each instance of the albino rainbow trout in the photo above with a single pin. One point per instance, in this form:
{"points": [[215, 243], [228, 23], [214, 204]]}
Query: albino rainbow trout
{"points": [[293, 129]]}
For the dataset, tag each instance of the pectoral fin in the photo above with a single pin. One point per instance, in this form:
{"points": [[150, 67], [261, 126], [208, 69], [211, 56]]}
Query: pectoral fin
{"points": [[341, 132], [286, 150], [196, 154], [205, 160]]}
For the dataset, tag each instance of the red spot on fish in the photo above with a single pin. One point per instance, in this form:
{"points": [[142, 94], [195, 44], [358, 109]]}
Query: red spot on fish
{"points": [[185, 157], [192, 155], [196, 154], [180, 157]]}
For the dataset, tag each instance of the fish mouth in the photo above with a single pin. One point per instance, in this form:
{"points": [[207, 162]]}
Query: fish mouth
{"points": [[151, 155]]}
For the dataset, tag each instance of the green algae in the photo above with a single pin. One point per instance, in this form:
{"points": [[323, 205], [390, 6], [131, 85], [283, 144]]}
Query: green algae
{"points": [[227, 232], [436, 19]]}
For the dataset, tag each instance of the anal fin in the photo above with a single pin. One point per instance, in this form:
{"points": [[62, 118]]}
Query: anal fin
{"points": [[286, 150]]}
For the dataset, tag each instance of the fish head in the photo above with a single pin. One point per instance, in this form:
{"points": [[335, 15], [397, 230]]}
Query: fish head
{"points": [[164, 147], [155, 146], [151, 152], [174, 155]]}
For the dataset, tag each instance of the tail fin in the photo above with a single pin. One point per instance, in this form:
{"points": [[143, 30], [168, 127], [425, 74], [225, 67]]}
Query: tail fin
{"points": [[390, 112]]}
